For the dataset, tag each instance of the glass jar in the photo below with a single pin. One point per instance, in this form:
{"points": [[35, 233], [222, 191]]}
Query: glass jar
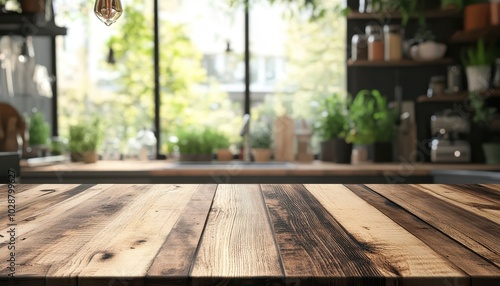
{"points": [[436, 86], [359, 49], [375, 43], [393, 43]]}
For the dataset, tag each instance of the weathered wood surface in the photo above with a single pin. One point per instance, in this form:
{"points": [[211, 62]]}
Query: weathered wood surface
{"points": [[254, 235]]}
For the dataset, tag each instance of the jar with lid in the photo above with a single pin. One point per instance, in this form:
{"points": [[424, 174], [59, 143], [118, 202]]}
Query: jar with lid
{"points": [[375, 43], [359, 49], [393, 42], [436, 86]]}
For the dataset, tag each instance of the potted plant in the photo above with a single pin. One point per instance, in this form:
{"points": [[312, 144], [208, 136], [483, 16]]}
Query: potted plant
{"points": [[423, 45], [361, 125], [333, 127], [385, 131], [197, 144], [84, 139], [39, 132], [223, 143], [482, 117], [476, 14], [261, 145], [478, 62]]}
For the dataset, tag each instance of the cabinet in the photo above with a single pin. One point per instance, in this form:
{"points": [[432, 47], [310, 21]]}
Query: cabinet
{"points": [[413, 76], [36, 25]]}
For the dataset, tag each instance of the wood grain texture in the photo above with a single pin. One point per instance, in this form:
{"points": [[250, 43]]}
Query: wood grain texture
{"points": [[237, 241], [481, 271], [312, 243], [129, 241], [393, 250], [176, 256], [479, 234], [465, 197], [30, 202]]}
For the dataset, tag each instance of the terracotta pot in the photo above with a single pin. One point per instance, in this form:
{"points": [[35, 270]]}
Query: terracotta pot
{"points": [[89, 157], [495, 13], [261, 155], [224, 155], [477, 16]]}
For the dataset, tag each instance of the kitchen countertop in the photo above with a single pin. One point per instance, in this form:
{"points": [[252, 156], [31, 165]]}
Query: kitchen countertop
{"points": [[253, 235], [216, 172]]}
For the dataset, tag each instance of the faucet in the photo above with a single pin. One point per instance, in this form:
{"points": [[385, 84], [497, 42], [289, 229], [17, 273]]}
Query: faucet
{"points": [[245, 133]]}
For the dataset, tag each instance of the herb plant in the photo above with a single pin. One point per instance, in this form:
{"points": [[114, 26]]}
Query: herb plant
{"points": [[333, 122], [197, 141], [482, 114], [38, 130], [478, 55], [85, 137], [261, 139]]}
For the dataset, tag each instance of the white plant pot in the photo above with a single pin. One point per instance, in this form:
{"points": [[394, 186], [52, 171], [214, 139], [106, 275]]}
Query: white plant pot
{"points": [[478, 77]]}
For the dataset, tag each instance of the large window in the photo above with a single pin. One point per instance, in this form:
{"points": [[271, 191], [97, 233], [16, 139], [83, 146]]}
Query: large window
{"points": [[294, 63]]}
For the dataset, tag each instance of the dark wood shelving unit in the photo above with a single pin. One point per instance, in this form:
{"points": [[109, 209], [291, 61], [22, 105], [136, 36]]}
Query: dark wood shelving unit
{"points": [[24, 24], [437, 13], [455, 97], [400, 63], [468, 37]]}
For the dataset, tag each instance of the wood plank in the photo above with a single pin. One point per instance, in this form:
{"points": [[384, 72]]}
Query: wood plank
{"points": [[312, 243], [461, 196], [34, 200], [476, 232], [493, 188], [173, 262], [127, 245], [393, 250], [480, 270], [238, 240], [72, 224]]}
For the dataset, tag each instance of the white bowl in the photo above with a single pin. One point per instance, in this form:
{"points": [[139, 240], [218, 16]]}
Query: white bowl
{"points": [[428, 51]]}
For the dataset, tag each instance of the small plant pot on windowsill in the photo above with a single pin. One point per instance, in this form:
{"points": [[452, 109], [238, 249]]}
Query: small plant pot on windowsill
{"points": [[492, 153], [89, 157], [261, 154], [327, 151], [381, 152], [224, 155], [478, 77], [360, 154], [343, 151]]}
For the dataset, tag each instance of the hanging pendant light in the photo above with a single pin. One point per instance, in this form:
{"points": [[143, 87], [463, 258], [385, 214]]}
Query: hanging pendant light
{"points": [[108, 11]]}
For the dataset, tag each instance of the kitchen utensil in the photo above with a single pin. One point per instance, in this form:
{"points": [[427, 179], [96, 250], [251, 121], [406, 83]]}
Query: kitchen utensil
{"points": [[436, 86], [454, 78]]}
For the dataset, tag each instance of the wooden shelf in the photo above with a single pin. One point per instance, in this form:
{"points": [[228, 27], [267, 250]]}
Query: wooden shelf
{"points": [[439, 13], [473, 36], [28, 24], [455, 97], [400, 63]]}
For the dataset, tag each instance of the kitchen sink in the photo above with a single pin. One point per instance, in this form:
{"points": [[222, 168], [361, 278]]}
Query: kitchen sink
{"points": [[231, 165]]}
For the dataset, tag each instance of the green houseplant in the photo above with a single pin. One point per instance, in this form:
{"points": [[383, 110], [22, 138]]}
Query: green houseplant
{"points": [[84, 139], [333, 128], [478, 62], [39, 130], [261, 145], [483, 135], [222, 146], [371, 123], [197, 144]]}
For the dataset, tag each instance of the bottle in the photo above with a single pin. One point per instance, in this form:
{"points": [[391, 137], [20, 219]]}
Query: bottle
{"points": [[393, 43]]}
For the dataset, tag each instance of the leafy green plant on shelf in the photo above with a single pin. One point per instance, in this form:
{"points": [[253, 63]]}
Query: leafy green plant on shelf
{"points": [[196, 141], [261, 139], [333, 122], [39, 130], [478, 55], [84, 139]]}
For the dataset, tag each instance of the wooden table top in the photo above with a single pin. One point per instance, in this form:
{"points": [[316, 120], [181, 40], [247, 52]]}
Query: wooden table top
{"points": [[252, 234]]}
